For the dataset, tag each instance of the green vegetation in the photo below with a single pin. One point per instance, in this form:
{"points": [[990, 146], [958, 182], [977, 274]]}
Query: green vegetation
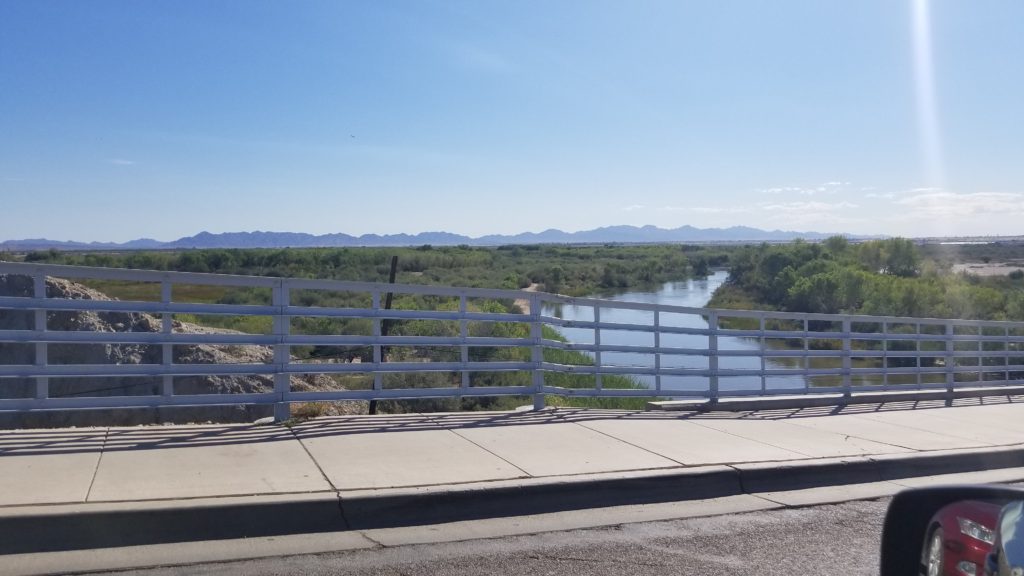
{"points": [[572, 270], [882, 277]]}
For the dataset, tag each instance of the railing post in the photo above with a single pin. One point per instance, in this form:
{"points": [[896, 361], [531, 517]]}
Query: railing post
{"points": [[847, 364], [657, 347], [282, 352], [537, 352], [597, 348], [916, 347], [464, 348], [764, 361], [713, 355], [378, 351], [981, 354], [885, 355], [950, 363], [806, 360], [1006, 355], [166, 349], [39, 291]]}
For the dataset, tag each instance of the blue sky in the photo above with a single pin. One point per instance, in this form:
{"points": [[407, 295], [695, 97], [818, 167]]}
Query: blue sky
{"points": [[121, 120]]}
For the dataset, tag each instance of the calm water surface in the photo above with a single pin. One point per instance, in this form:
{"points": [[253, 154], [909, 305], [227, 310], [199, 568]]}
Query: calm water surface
{"points": [[692, 293]]}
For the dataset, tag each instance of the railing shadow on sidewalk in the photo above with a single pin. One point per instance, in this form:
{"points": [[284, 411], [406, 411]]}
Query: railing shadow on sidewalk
{"points": [[68, 441]]}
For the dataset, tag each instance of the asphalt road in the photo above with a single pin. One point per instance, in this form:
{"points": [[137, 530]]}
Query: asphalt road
{"points": [[836, 539]]}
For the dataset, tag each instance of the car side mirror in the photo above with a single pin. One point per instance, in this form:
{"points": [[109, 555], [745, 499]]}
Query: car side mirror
{"points": [[956, 530], [1007, 555]]}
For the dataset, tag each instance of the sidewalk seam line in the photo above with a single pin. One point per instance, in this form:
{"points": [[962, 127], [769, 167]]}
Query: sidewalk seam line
{"points": [[912, 450], [762, 496], [96, 471], [984, 444], [364, 534], [628, 443], [739, 479], [527, 474], [763, 443], [433, 418], [315, 463]]}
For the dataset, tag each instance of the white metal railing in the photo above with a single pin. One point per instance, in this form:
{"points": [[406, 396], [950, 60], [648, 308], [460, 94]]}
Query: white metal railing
{"points": [[627, 349]]}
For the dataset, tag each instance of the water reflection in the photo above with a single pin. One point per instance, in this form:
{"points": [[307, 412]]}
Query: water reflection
{"points": [[692, 293]]}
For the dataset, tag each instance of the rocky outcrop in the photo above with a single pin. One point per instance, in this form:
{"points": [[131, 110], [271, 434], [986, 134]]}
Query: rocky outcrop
{"points": [[21, 286]]}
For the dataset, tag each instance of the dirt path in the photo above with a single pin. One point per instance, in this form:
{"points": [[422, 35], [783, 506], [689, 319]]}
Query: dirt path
{"points": [[524, 303], [988, 268]]}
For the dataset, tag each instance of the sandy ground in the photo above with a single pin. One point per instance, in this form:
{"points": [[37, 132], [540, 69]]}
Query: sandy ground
{"points": [[524, 303], [989, 269]]}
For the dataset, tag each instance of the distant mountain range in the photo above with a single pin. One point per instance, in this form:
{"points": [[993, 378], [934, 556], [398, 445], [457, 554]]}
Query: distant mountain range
{"points": [[605, 235]]}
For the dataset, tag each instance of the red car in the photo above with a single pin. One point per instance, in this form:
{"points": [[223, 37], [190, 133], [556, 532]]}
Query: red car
{"points": [[959, 537]]}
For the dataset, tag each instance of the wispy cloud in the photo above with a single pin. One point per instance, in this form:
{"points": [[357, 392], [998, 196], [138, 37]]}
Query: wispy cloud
{"points": [[784, 190], [809, 206], [934, 203], [713, 209], [633, 207], [120, 162], [830, 187], [872, 193], [796, 207]]}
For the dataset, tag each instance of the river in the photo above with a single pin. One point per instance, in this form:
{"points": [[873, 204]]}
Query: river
{"points": [[692, 293]]}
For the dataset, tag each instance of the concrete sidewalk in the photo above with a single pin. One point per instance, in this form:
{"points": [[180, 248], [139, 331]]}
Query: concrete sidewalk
{"points": [[81, 488]]}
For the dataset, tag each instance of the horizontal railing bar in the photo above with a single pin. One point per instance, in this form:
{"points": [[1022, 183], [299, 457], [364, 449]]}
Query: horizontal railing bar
{"points": [[68, 304], [724, 314], [585, 324], [743, 393], [118, 370], [386, 367], [589, 325], [417, 289], [227, 339], [930, 354], [76, 305], [178, 338], [890, 387], [367, 367], [607, 392], [314, 312], [99, 273], [401, 393], [472, 341], [230, 338], [108, 402]]}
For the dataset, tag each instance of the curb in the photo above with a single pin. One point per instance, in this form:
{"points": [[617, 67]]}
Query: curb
{"points": [[395, 508], [50, 528], [32, 529]]}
